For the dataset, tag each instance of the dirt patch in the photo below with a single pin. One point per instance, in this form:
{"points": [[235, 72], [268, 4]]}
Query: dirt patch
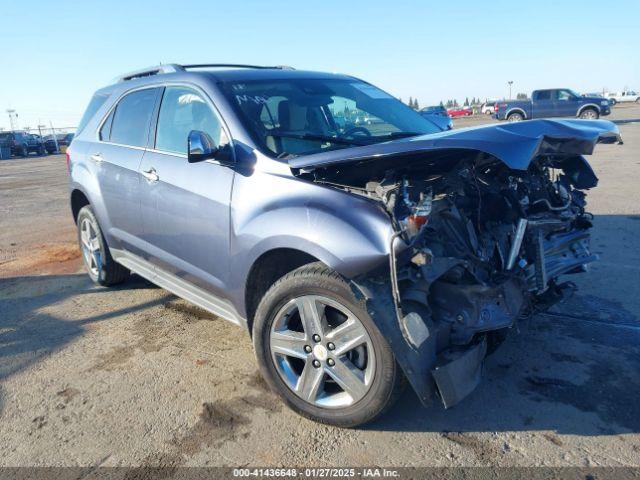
{"points": [[113, 359], [553, 438], [487, 452], [191, 310], [41, 259], [219, 422], [68, 394]]}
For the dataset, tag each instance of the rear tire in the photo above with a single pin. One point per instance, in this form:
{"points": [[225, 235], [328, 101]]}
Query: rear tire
{"points": [[317, 393], [612, 101], [25, 151], [515, 117], [101, 267]]}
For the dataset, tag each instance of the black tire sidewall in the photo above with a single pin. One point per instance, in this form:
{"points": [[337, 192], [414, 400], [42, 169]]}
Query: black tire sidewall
{"points": [[299, 283]]}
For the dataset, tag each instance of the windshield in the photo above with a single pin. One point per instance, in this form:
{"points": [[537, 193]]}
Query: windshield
{"points": [[290, 117]]}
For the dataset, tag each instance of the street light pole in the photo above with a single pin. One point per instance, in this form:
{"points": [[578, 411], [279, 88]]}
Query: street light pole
{"points": [[510, 82], [12, 118]]}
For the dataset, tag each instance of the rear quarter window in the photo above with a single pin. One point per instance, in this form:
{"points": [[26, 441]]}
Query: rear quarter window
{"points": [[96, 102]]}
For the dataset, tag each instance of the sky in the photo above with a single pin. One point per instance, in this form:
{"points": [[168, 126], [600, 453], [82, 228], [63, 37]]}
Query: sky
{"points": [[55, 54]]}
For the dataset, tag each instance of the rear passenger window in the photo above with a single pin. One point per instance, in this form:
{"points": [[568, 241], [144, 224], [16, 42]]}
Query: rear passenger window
{"points": [[544, 95], [183, 110], [132, 117], [95, 103], [105, 131]]}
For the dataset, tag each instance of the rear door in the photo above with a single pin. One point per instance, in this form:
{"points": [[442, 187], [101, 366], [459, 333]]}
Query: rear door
{"points": [[123, 136], [186, 206], [542, 105]]}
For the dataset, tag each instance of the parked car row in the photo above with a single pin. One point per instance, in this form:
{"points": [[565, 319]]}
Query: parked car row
{"points": [[23, 144]]}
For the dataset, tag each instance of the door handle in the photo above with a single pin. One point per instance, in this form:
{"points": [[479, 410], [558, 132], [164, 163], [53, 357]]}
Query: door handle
{"points": [[150, 175], [97, 157]]}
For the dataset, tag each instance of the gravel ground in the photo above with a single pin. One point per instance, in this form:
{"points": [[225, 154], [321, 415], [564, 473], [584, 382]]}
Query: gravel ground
{"points": [[133, 376]]}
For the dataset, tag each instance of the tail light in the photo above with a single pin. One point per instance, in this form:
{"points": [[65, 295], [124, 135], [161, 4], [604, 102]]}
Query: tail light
{"points": [[68, 160], [496, 107]]}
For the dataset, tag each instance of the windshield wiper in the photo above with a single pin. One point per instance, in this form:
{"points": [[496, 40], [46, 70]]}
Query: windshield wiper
{"points": [[322, 138], [394, 135]]}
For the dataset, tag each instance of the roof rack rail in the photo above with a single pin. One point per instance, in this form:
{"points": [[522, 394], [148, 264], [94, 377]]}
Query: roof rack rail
{"points": [[150, 71], [235, 65], [174, 68]]}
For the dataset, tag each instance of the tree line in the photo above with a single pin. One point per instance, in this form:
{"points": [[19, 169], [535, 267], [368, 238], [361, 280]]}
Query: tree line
{"points": [[453, 103]]}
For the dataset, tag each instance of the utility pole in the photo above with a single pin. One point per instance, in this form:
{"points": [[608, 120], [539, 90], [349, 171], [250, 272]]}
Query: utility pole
{"points": [[13, 118], [510, 82], [55, 137]]}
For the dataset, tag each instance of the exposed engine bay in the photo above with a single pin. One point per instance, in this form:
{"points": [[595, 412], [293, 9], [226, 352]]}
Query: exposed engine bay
{"points": [[484, 246]]}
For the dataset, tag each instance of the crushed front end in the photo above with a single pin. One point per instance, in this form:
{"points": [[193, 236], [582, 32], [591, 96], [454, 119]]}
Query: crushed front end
{"points": [[480, 242]]}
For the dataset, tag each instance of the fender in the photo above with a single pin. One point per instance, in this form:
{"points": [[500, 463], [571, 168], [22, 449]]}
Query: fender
{"points": [[85, 181], [588, 105], [348, 233], [516, 109]]}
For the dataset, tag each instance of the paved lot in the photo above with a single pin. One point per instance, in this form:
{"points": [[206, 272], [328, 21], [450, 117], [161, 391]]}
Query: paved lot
{"points": [[135, 376]]}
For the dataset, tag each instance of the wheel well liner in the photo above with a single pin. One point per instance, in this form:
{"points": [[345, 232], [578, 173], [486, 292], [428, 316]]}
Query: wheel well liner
{"points": [[266, 270], [78, 200]]}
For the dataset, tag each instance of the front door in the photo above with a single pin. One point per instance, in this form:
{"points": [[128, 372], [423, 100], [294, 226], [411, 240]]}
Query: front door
{"points": [[566, 103], [185, 206]]}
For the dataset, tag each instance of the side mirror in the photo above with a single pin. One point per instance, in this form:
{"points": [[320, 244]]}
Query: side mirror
{"points": [[200, 147]]}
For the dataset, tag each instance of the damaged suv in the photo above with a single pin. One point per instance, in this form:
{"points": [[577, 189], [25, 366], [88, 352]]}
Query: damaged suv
{"points": [[358, 244]]}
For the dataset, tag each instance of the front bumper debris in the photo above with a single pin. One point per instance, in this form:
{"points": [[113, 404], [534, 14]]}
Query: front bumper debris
{"points": [[458, 372]]}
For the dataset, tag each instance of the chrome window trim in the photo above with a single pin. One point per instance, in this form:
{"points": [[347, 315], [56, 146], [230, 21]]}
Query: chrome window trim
{"points": [[213, 107], [113, 107], [197, 88]]}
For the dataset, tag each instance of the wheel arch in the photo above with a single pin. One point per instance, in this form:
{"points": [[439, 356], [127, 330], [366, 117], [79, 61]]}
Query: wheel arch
{"points": [[266, 270], [78, 200], [515, 110], [587, 106]]}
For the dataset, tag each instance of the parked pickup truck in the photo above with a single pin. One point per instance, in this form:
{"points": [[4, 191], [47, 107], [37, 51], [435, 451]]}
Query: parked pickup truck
{"points": [[555, 102], [622, 97]]}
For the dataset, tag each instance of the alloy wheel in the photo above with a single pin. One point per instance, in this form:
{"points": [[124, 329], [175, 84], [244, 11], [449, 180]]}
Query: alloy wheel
{"points": [[322, 352], [90, 245]]}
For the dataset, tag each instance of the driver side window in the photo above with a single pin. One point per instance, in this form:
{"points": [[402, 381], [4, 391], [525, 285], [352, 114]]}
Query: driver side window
{"points": [[564, 95], [182, 110]]}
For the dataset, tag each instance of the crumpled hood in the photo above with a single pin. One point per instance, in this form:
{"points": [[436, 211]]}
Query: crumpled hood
{"points": [[515, 144]]}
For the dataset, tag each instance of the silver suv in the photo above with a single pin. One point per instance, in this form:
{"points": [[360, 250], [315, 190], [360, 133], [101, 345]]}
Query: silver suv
{"points": [[356, 254]]}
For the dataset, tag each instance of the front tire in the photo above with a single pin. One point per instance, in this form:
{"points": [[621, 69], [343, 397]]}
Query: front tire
{"points": [[100, 266], [320, 351], [589, 114], [613, 101]]}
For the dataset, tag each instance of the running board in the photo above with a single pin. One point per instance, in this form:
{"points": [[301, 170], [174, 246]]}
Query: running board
{"points": [[178, 286]]}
